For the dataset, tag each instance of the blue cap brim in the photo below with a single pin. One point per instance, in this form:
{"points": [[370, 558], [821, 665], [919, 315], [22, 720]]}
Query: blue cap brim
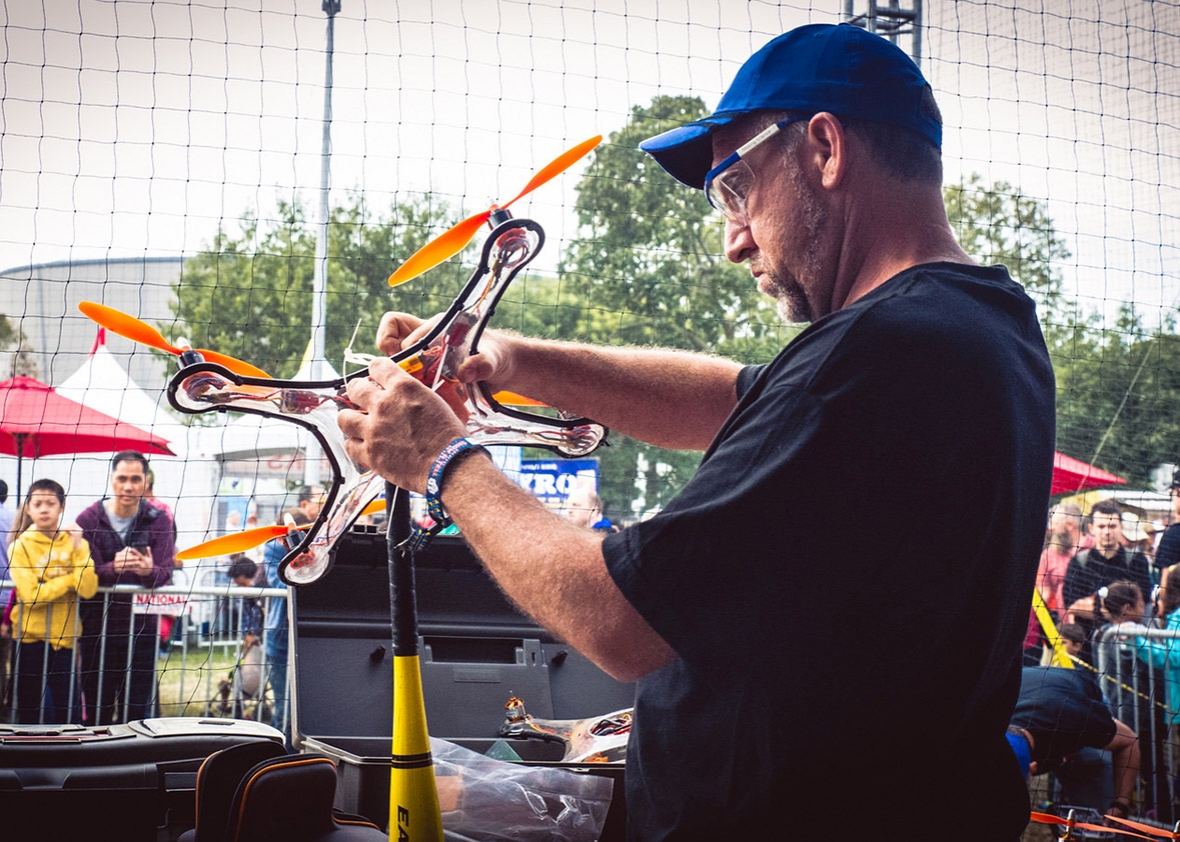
{"points": [[686, 152]]}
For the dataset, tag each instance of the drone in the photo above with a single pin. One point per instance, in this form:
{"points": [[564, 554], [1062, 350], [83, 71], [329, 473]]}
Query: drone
{"points": [[212, 382]]}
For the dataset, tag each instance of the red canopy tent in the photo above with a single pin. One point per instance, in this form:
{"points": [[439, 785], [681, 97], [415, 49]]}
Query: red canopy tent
{"points": [[37, 421], [1073, 475]]}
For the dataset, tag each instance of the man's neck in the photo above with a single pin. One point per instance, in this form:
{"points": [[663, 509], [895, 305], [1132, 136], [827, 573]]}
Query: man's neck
{"points": [[894, 240], [1108, 554], [114, 508]]}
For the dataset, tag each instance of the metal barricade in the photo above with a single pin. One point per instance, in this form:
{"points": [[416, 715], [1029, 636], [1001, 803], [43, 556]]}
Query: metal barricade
{"points": [[197, 669], [1138, 694]]}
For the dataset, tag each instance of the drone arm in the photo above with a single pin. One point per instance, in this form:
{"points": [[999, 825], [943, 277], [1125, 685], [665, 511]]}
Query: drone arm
{"points": [[553, 569], [673, 399]]}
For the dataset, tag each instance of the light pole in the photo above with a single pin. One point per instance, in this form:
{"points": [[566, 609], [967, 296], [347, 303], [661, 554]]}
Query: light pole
{"points": [[319, 318]]}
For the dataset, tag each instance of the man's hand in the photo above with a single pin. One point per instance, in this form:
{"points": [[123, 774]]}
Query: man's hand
{"points": [[1083, 609], [131, 560], [401, 330], [75, 533], [492, 363], [401, 426]]}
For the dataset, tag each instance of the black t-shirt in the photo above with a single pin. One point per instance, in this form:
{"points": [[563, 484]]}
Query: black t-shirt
{"points": [[1064, 711], [846, 579], [1168, 552], [1089, 570]]}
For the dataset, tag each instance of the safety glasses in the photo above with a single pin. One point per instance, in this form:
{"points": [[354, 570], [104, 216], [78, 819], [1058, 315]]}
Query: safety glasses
{"points": [[728, 185]]}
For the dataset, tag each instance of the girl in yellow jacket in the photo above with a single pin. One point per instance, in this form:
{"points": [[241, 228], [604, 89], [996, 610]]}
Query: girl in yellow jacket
{"points": [[51, 568]]}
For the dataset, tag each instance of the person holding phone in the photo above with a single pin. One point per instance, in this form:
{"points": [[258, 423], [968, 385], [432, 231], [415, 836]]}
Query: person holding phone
{"points": [[132, 543]]}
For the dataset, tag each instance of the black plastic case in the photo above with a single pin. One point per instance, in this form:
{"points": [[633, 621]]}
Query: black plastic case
{"points": [[128, 782], [476, 651]]}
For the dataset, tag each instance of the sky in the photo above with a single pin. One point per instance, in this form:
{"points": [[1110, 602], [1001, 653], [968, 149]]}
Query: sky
{"points": [[139, 128]]}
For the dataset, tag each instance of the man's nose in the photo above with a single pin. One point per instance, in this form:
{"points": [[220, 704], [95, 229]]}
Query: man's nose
{"points": [[739, 242]]}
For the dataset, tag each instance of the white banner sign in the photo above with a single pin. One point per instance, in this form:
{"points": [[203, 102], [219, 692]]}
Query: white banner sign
{"points": [[172, 604]]}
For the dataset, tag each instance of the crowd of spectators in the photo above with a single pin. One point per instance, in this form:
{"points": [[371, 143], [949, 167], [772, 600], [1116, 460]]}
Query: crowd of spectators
{"points": [[70, 653], [1104, 578]]}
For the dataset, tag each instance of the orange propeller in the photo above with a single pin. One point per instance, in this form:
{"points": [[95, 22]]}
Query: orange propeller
{"points": [[452, 241], [513, 399], [1050, 819], [139, 331], [239, 542]]}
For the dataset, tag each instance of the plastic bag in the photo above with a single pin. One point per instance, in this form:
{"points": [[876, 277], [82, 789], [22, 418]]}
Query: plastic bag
{"points": [[484, 799]]}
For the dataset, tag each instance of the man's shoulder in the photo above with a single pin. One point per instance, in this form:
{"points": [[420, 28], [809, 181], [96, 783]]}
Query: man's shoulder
{"points": [[150, 514], [92, 515], [1083, 561], [903, 326], [982, 298], [1051, 555]]}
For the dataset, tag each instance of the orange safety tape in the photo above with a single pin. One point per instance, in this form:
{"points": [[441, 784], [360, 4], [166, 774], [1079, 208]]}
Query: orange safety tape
{"points": [[1062, 658], [1049, 818]]}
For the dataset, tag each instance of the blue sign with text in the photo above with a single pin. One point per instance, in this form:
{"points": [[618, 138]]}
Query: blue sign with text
{"points": [[551, 480]]}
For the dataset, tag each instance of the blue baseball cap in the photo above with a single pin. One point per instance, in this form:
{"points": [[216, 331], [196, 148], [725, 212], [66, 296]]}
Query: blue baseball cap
{"points": [[839, 68]]}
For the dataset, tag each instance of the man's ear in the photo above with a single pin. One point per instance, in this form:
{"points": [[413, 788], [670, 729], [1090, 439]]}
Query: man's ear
{"points": [[828, 148]]}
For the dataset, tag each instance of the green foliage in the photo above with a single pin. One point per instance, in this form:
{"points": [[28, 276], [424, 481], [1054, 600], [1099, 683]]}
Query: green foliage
{"points": [[249, 294], [999, 224], [1119, 397], [8, 332]]}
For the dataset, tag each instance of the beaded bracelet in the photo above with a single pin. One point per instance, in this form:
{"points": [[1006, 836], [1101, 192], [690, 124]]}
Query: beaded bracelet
{"points": [[438, 471]]}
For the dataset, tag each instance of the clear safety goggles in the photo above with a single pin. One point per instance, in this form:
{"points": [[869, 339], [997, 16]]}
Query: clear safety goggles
{"points": [[728, 185]]}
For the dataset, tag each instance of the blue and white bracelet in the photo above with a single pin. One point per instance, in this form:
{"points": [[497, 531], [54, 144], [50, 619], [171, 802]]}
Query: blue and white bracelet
{"points": [[434, 482]]}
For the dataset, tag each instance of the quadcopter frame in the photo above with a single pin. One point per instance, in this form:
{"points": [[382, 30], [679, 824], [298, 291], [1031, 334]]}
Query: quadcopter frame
{"points": [[202, 386]]}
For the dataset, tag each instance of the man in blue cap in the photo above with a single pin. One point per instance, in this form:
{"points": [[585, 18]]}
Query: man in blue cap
{"points": [[1061, 723], [784, 688]]}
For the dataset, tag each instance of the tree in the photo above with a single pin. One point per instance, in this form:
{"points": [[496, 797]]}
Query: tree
{"points": [[249, 294], [1119, 396], [1118, 405], [647, 269], [999, 224]]}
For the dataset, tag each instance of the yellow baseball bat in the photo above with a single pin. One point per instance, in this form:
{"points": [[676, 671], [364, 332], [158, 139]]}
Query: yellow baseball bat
{"points": [[414, 814], [1060, 656]]}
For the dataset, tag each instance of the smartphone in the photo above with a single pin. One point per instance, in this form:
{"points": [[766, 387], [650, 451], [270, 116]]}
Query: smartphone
{"points": [[143, 549]]}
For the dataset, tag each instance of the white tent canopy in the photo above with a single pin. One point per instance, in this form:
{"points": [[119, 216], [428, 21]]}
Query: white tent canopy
{"points": [[102, 384], [186, 483], [249, 436]]}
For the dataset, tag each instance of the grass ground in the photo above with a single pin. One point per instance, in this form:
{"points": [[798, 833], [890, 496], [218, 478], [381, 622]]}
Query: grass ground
{"points": [[190, 683]]}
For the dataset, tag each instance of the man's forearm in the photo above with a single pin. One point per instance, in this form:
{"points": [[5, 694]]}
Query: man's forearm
{"points": [[1124, 749], [551, 568], [672, 399]]}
